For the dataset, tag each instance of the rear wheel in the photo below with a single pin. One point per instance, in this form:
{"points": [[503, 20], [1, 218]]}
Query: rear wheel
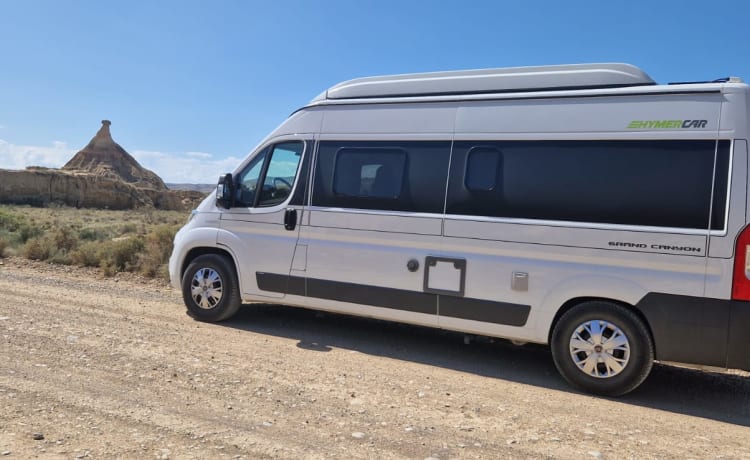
{"points": [[210, 289], [602, 348]]}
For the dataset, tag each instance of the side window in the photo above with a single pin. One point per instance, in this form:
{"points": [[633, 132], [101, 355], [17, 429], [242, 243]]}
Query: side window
{"points": [[659, 183], [482, 169], [721, 182], [381, 175], [369, 173], [280, 174], [268, 179], [247, 181]]}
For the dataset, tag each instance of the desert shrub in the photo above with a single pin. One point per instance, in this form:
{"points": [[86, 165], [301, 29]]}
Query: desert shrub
{"points": [[38, 248], [54, 246], [84, 237], [17, 228], [108, 270], [27, 231], [148, 215], [61, 258], [64, 238], [120, 255], [93, 234], [87, 254], [158, 248], [10, 221], [160, 241], [130, 227]]}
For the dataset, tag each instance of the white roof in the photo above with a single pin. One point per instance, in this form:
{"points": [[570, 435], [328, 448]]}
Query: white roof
{"points": [[502, 80]]}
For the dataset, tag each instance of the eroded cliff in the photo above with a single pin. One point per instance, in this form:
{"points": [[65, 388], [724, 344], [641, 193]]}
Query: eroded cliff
{"points": [[101, 175]]}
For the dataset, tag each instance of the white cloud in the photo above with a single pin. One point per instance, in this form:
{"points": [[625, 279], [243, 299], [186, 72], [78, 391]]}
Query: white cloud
{"points": [[202, 155], [20, 156], [148, 155], [187, 167]]}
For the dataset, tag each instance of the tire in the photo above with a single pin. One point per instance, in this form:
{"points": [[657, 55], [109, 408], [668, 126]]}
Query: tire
{"points": [[613, 361], [210, 289]]}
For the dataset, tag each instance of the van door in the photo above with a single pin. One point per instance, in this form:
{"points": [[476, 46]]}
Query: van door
{"points": [[376, 217], [261, 228]]}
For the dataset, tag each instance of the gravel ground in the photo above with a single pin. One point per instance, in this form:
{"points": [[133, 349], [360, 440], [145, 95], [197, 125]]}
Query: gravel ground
{"points": [[94, 367]]}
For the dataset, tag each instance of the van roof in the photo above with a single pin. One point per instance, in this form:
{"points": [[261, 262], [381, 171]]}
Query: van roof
{"points": [[510, 79]]}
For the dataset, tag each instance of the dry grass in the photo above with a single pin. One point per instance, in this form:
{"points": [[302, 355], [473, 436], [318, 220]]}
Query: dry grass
{"points": [[115, 241]]}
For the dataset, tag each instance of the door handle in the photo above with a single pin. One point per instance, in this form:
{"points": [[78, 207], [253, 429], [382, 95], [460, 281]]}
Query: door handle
{"points": [[290, 219]]}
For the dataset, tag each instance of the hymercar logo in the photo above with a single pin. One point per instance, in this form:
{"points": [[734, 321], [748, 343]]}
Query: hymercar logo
{"points": [[667, 124]]}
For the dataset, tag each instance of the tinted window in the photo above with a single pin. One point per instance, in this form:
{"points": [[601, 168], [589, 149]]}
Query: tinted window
{"points": [[482, 168], [652, 183], [392, 176], [721, 183], [369, 173]]}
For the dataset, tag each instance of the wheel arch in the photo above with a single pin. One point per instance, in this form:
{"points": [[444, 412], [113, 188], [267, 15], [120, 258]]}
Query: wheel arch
{"points": [[569, 304], [203, 250], [586, 288]]}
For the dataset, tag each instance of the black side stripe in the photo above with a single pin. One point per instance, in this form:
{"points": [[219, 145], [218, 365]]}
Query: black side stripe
{"points": [[399, 299], [486, 311]]}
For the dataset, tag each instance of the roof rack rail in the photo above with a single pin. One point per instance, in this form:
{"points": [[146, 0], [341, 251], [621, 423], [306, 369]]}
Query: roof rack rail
{"points": [[718, 80], [698, 82], [483, 81]]}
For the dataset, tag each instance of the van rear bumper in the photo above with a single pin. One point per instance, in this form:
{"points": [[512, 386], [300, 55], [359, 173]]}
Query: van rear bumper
{"points": [[698, 330]]}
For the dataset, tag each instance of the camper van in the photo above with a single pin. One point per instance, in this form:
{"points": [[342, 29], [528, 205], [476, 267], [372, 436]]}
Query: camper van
{"points": [[580, 206]]}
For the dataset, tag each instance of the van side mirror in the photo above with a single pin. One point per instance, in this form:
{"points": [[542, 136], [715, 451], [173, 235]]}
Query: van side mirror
{"points": [[225, 191]]}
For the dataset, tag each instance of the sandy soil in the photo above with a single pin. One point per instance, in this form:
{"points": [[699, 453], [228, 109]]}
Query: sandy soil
{"points": [[94, 367]]}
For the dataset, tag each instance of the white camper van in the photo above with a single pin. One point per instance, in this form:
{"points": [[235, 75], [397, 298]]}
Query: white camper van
{"points": [[580, 206]]}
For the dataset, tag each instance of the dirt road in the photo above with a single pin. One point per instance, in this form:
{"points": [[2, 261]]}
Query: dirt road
{"points": [[105, 368]]}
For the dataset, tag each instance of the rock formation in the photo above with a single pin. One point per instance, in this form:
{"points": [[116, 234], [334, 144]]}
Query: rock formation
{"points": [[104, 157], [101, 175]]}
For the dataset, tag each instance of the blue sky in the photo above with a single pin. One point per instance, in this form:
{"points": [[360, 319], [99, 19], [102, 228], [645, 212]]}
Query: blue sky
{"points": [[192, 86]]}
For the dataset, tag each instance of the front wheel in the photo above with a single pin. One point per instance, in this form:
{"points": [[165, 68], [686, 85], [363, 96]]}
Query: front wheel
{"points": [[602, 348], [210, 289]]}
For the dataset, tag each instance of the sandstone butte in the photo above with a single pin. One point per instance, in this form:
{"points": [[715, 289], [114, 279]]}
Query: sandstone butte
{"points": [[101, 175]]}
